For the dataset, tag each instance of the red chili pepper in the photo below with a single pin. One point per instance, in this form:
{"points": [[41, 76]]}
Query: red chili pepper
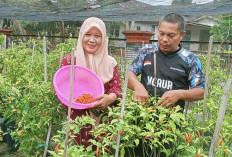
{"points": [[121, 132], [99, 137], [145, 137], [151, 137], [186, 136], [226, 152], [153, 107], [199, 134], [220, 142], [97, 151], [40, 98], [170, 128], [188, 141], [102, 133], [190, 136], [37, 138], [198, 155], [84, 99], [52, 89], [56, 148], [44, 114]]}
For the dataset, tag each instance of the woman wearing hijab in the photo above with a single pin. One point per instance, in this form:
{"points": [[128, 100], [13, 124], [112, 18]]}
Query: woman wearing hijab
{"points": [[92, 53]]}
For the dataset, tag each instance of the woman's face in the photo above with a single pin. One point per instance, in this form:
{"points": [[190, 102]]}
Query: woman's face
{"points": [[92, 40]]}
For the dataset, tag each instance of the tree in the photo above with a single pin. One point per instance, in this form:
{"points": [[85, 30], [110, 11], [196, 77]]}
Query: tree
{"points": [[223, 31]]}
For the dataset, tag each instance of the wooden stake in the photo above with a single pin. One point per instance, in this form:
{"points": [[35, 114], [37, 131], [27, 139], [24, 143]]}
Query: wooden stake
{"points": [[221, 113], [206, 82]]}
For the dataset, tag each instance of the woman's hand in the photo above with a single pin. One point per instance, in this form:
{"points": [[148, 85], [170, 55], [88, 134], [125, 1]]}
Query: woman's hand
{"points": [[104, 101]]}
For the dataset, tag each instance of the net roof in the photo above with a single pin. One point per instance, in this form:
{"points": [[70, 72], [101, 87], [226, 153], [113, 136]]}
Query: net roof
{"points": [[109, 10]]}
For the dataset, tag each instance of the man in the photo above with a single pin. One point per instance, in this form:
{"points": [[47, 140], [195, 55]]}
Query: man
{"points": [[177, 75], [177, 69]]}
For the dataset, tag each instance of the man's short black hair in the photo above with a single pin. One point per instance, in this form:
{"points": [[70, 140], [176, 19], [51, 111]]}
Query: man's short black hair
{"points": [[175, 18]]}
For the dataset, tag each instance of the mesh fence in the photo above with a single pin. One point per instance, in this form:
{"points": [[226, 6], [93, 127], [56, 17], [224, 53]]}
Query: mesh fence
{"points": [[109, 10]]}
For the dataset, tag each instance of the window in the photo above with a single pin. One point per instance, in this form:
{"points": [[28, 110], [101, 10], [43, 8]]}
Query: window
{"points": [[114, 30], [204, 36], [138, 28]]}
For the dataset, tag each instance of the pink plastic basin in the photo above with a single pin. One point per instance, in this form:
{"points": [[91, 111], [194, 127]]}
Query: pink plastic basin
{"points": [[84, 81]]}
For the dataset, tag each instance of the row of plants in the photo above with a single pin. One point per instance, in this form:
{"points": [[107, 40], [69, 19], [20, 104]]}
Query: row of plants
{"points": [[32, 104]]}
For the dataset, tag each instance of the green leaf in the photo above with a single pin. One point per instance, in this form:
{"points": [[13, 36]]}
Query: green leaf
{"points": [[122, 152], [137, 142]]}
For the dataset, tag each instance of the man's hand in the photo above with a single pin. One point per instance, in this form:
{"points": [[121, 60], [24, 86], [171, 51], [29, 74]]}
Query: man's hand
{"points": [[105, 101], [170, 97], [141, 94]]}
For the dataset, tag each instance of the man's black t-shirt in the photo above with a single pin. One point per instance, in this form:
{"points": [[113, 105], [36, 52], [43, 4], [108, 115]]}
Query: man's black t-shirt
{"points": [[171, 73], [181, 69]]}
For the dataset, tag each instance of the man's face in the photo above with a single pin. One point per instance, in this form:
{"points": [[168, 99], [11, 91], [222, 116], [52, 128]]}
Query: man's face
{"points": [[169, 37]]}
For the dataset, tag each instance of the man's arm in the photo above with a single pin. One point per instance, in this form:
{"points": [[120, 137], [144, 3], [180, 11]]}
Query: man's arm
{"points": [[140, 93], [172, 96]]}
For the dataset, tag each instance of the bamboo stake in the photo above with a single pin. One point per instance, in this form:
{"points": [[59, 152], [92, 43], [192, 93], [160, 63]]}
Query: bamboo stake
{"points": [[155, 76], [45, 80], [47, 140], [121, 60], [4, 48], [206, 82], [122, 110], [69, 105], [125, 58], [45, 59], [221, 113], [33, 50]]}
